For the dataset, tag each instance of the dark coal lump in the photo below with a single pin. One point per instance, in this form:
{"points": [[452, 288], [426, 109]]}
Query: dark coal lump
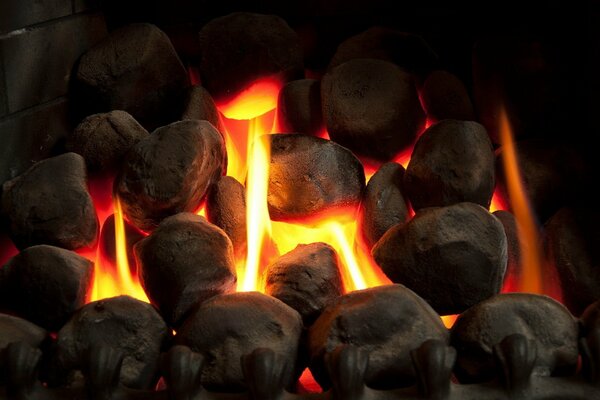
{"points": [[170, 171], [108, 245], [227, 327], [307, 279], [371, 107], [513, 247], [383, 204], [454, 257], [538, 318], [13, 330], [572, 242], [299, 107], [104, 139], [407, 50], [239, 48], [45, 285], [226, 208], [193, 256], [200, 105], [452, 162], [590, 319], [135, 69], [309, 176], [123, 323], [444, 96], [387, 322], [49, 204]]}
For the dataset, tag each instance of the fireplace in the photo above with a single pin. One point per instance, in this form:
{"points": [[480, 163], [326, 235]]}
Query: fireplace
{"points": [[267, 201]]}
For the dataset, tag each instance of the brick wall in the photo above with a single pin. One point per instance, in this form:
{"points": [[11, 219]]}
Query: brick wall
{"points": [[40, 42]]}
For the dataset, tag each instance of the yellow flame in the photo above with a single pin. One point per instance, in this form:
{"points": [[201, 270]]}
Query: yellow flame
{"points": [[107, 283], [531, 255], [257, 214], [259, 98]]}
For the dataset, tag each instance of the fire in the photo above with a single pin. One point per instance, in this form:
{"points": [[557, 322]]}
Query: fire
{"points": [[111, 280], [247, 118], [531, 254]]}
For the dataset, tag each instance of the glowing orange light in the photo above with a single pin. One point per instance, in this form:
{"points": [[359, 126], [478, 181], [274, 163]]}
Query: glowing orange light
{"points": [[498, 202], [449, 320], [531, 255], [259, 98]]}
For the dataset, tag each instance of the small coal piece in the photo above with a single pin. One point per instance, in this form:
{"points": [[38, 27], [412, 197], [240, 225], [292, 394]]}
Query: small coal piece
{"points": [[240, 48], [227, 327], [104, 139], [407, 50], [200, 105], [310, 176], [444, 96], [12, 330], [454, 257], [226, 208], [539, 318], [307, 279], [108, 245], [553, 175], [123, 323], [135, 69], [513, 247], [372, 107], [383, 204], [49, 204], [572, 242], [185, 261], [299, 107], [170, 171], [387, 322], [452, 162], [45, 285]]}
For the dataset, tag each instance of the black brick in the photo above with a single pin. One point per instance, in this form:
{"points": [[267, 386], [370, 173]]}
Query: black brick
{"points": [[31, 135], [38, 61]]}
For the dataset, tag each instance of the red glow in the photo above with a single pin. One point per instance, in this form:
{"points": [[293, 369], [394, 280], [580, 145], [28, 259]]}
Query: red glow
{"points": [[307, 383]]}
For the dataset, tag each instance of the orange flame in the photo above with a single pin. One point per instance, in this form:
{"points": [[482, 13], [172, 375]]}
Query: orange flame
{"points": [[531, 255], [246, 118]]}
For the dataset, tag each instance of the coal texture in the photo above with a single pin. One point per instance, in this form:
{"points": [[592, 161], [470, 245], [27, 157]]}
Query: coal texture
{"points": [[371, 107], [170, 171], [227, 327], [310, 176], [454, 257], [14, 329], [123, 323], [200, 105], [49, 204], [307, 279], [45, 285], [226, 208], [104, 139], [407, 50], [108, 245], [240, 48], [514, 269], [590, 319], [452, 162], [538, 318], [553, 175], [185, 261], [299, 107], [572, 242], [135, 69], [387, 322], [383, 204], [444, 96]]}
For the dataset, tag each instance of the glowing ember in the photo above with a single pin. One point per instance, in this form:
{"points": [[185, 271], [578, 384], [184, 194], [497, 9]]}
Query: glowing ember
{"points": [[531, 255]]}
